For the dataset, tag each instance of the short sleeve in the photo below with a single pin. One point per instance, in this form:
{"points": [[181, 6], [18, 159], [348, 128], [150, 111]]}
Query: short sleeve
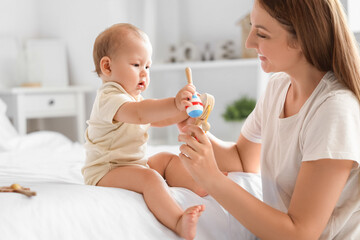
{"points": [[334, 130], [109, 103], [251, 129]]}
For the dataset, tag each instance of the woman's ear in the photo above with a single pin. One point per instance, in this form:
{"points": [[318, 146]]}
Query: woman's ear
{"points": [[105, 66], [294, 43]]}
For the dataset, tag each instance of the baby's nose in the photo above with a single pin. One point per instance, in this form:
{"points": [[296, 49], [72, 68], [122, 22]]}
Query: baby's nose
{"points": [[143, 73]]}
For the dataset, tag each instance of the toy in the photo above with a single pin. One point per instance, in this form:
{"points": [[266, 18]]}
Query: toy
{"points": [[196, 109], [19, 189], [207, 104]]}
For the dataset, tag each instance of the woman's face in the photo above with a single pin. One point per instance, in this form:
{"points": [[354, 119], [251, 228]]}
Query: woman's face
{"points": [[271, 41]]}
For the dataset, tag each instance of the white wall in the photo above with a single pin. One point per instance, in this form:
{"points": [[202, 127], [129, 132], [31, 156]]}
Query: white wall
{"points": [[167, 22], [78, 22], [18, 18], [200, 22], [18, 21]]}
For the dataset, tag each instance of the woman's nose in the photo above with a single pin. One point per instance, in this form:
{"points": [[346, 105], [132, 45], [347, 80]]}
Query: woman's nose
{"points": [[251, 40]]}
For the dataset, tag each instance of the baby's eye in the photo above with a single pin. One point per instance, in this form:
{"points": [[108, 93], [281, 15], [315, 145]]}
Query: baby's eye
{"points": [[147, 67], [136, 65]]}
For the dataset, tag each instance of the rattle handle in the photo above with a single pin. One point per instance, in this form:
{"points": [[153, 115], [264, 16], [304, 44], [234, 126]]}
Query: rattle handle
{"points": [[26, 192], [188, 75]]}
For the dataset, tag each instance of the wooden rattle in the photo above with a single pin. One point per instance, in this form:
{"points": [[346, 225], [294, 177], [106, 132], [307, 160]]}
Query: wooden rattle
{"points": [[205, 100], [209, 102], [19, 189], [196, 109]]}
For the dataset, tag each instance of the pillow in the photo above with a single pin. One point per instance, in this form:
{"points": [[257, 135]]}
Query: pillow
{"points": [[7, 130], [39, 139]]}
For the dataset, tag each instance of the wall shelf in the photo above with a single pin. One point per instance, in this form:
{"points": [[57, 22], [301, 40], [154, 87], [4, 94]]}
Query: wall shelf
{"points": [[158, 67], [226, 80]]}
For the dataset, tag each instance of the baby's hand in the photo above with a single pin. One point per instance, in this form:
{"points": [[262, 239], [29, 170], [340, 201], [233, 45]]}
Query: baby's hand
{"points": [[183, 97]]}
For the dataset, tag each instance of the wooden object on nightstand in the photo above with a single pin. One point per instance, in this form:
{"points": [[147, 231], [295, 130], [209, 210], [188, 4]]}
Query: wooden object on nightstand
{"points": [[46, 102]]}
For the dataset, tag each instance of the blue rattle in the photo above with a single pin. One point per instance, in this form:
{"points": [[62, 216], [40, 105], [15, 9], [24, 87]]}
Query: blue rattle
{"points": [[197, 108]]}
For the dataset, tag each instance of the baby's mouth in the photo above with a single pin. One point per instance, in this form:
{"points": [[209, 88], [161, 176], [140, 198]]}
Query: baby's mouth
{"points": [[141, 84]]}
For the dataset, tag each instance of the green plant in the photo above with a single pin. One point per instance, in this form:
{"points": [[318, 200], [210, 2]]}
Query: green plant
{"points": [[239, 109]]}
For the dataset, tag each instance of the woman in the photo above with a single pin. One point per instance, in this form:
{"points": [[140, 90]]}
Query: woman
{"points": [[304, 133]]}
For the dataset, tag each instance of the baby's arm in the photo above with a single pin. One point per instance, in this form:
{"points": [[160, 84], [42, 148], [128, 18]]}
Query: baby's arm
{"points": [[180, 117], [155, 110]]}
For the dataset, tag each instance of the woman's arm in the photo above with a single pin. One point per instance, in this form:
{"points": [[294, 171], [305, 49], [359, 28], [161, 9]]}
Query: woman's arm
{"points": [[317, 190], [241, 156], [318, 187]]}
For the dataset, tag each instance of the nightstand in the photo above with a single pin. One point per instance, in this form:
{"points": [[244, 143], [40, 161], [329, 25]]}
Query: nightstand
{"points": [[46, 102]]}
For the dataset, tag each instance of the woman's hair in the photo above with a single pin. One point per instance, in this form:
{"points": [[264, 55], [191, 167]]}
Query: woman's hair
{"points": [[321, 29], [111, 39]]}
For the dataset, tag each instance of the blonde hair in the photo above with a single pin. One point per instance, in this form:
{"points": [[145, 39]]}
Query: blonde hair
{"points": [[321, 29], [111, 39]]}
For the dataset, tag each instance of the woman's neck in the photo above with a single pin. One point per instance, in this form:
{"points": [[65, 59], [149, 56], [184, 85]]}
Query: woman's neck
{"points": [[303, 83], [304, 80]]}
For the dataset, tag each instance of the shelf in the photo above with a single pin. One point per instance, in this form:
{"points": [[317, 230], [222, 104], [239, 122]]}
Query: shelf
{"points": [[24, 90], [204, 65]]}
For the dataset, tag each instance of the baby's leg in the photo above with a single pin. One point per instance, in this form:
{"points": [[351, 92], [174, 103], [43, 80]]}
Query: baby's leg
{"points": [[157, 197], [176, 175], [188, 222]]}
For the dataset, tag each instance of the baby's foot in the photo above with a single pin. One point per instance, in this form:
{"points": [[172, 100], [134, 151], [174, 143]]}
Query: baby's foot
{"points": [[186, 225]]}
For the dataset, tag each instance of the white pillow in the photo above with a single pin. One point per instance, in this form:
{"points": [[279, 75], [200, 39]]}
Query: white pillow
{"points": [[7, 130], [39, 139]]}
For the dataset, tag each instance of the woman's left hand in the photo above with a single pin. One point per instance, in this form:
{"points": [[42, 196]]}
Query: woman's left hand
{"points": [[197, 154]]}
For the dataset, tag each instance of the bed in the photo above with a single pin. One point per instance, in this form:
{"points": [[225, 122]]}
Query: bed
{"points": [[65, 208]]}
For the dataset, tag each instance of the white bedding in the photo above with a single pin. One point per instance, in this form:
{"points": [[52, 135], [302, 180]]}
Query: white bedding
{"points": [[65, 208]]}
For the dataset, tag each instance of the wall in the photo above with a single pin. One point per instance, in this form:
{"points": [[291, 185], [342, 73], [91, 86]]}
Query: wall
{"points": [[17, 22], [200, 22], [166, 21]]}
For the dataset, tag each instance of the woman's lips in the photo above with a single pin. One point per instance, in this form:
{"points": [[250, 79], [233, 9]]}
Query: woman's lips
{"points": [[261, 57]]}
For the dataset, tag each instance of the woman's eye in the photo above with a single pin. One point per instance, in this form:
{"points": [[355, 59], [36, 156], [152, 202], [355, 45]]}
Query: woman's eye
{"points": [[260, 35]]}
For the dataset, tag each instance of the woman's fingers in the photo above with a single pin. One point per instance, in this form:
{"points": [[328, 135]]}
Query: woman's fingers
{"points": [[196, 132], [196, 142]]}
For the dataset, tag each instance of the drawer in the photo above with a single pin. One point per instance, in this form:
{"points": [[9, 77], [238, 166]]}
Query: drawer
{"points": [[49, 103]]}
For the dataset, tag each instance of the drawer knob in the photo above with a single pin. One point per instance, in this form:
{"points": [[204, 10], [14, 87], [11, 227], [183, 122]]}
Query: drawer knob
{"points": [[51, 102]]}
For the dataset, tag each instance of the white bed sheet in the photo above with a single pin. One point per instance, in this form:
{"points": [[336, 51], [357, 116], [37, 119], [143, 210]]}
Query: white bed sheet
{"points": [[65, 208]]}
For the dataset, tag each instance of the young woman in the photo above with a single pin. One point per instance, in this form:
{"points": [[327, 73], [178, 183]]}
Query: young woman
{"points": [[304, 134]]}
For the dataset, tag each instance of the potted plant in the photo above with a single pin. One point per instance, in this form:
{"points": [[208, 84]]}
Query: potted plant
{"points": [[235, 115], [239, 110]]}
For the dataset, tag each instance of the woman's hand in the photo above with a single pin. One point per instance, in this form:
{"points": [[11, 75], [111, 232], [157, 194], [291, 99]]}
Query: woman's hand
{"points": [[197, 154], [187, 121]]}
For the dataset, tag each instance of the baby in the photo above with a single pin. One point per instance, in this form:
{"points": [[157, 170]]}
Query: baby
{"points": [[116, 136]]}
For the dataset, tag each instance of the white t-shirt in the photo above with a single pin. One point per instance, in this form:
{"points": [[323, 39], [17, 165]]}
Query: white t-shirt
{"points": [[327, 126]]}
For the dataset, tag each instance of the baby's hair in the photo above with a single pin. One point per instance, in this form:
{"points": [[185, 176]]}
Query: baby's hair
{"points": [[111, 39]]}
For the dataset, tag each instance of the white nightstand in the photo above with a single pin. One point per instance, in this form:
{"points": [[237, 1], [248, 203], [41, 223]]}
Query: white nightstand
{"points": [[46, 102]]}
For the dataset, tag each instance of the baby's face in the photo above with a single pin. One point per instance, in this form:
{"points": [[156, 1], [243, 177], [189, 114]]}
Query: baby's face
{"points": [[130, 66]]}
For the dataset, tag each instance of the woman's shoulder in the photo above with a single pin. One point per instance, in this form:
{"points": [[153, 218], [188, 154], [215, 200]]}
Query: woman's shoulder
{"points": [[278, 83], [336, 92], [279, 80]]}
